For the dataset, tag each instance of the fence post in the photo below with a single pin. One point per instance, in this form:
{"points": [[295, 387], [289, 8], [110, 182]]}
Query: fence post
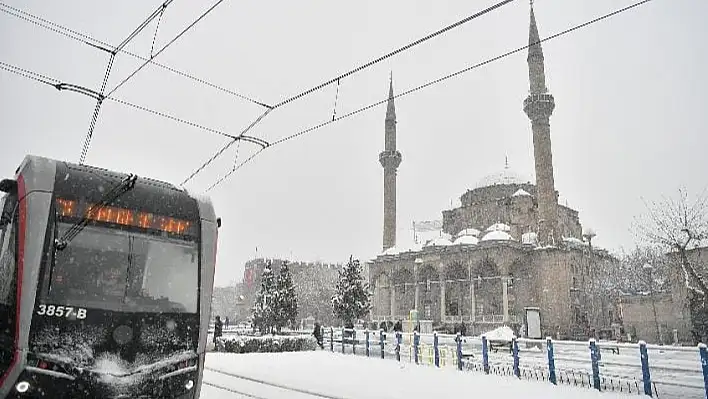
{"points": [[416, 342], [594, 358], [331, 339], [515, 353], [381, 341], [343, 331], [436, 350], [354, 341], [458, 338], [646, 376], [398, 346], [551, 362], [704, 364], [366, 335], [485, 355]]}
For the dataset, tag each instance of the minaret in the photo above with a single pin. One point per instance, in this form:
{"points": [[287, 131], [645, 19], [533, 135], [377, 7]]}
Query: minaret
{"points": [[390, 158], [539, 106]]}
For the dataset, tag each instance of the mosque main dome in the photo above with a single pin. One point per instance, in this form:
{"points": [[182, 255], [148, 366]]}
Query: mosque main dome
{"points": [[504, 176]]}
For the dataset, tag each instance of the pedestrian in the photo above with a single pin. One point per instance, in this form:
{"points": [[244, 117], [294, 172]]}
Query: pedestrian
{"points": [[226, 322], [318, 334], [398, 327], [217, 328]]}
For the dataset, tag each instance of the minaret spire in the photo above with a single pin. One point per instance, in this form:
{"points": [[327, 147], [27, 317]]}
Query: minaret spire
{"points": [[537, 75], [390, 106], [390, 159], [539, 106]]}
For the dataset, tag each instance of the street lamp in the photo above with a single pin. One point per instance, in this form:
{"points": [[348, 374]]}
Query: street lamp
{"points": [[589, 305], [649, 269]]}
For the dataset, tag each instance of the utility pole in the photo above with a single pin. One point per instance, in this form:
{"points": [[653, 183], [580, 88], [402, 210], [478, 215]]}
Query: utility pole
{"points": [[649, 269], [588, 235]]}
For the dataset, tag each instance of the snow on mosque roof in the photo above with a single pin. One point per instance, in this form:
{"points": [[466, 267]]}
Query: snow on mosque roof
{"points": [[391, 251], [468, 232], [499, 227], [520, 193], [466, 239], [438, 242], [497, 235]]}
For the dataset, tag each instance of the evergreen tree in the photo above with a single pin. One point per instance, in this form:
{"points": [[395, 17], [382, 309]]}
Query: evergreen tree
{"points": [[264, 315], [352, 299], [286, 299]]}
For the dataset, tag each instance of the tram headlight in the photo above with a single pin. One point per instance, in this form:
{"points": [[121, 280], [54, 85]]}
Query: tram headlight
{"points": [[22, 386], [189, 385]]}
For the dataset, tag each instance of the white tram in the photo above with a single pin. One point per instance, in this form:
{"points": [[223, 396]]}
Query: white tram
{"points": [[105, 284]]}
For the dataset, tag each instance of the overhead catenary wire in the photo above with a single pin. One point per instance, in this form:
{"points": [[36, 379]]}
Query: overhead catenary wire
{"points": [[102, 45], [393, 53], [423, 86], [57, 84], [109, 68], [369, 64], [149, 60], [318, 87]]}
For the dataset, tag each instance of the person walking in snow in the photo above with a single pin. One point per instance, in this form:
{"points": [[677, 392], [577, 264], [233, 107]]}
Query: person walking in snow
{"points": [[318, 334], [398, 327], [217, 328]]}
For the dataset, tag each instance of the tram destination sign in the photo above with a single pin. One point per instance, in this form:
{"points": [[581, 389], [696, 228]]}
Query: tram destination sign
{"points": [[122, 216]]}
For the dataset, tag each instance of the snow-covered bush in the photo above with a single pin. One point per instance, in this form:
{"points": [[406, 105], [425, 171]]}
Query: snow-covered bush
{"points": [[268, 343]]}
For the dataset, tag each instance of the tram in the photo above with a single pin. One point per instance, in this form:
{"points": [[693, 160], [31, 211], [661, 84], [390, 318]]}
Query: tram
{"points": [[105, 284]]}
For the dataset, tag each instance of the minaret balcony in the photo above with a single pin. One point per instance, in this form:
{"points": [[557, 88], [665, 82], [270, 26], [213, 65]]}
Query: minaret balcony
{"points": [[539, 105], [390, 159]]}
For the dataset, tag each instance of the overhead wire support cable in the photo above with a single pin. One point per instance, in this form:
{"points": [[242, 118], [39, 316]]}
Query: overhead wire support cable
{"points": [[102, 45], [57, 84], [394, 52], [428, 84], [228, 145], [149, 60], [109, 68]]}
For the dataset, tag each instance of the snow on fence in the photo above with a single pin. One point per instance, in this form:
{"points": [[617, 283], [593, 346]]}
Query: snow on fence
{"points": [[653, 370]]}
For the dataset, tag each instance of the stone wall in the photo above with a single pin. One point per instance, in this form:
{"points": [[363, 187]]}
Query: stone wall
{"points": [[638, 318]]}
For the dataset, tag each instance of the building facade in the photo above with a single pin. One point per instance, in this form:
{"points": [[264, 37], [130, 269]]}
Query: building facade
{"points": [[509, 246]]}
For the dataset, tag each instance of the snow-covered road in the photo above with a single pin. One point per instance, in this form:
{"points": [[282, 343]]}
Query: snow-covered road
{"points": [[353, 377]]}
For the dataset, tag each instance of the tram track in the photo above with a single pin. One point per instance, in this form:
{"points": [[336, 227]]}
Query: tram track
{"points": [[255, 388]]}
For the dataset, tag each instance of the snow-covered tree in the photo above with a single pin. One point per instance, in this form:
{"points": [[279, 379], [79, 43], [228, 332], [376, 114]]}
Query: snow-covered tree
{"points": [[264, 314], [633, 278], [352, 298], [286, 299], [678, 225]]}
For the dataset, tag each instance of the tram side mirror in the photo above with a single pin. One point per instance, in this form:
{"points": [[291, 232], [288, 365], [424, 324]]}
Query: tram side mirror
{"points": [[8, 186], [218, 223]]}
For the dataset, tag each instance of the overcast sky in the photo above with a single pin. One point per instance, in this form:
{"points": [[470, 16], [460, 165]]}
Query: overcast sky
{"points": [[630, 117]]}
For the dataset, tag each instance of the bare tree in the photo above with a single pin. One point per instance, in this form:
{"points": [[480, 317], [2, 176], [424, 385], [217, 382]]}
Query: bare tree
{"points": [[678, 224]]}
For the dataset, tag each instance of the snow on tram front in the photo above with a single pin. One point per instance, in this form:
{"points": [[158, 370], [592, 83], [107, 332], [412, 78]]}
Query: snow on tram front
{"points": [[106, 281]]}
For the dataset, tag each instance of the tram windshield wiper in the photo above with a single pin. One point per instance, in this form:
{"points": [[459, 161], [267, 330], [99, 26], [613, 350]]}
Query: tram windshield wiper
{"points": [[123, 187]]}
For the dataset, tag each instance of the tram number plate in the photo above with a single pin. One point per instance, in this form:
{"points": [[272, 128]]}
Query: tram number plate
{"points": [[61, 311]]}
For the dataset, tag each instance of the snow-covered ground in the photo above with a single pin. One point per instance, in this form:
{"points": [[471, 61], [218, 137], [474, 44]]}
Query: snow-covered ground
{"points": [[675, 372], [298, 375]]}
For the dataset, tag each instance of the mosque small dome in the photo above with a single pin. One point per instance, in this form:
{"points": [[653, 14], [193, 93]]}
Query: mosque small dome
{"points": [[499, 227], [497, 235], [468, 232]]}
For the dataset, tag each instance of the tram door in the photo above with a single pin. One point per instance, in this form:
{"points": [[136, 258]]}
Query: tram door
{"points": [[8, 280]]}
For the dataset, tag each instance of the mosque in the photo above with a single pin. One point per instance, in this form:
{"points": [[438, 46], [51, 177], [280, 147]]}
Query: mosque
{"points": [[510, 251]]}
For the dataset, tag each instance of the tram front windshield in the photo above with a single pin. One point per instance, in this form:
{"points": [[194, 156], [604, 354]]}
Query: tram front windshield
{"points": [[120, 270]]}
